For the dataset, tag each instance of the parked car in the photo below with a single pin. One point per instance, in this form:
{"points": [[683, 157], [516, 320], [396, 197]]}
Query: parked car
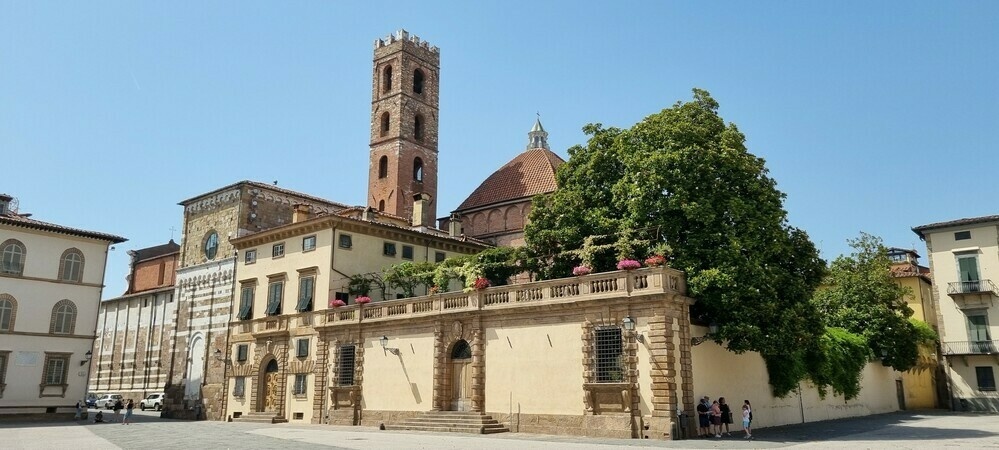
{"points": [[107, 401], [91, 399], [154, 401]]}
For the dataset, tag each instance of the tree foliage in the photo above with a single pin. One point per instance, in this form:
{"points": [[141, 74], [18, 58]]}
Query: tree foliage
{"points": [[860, 295], [684, 177], [408, 276]]}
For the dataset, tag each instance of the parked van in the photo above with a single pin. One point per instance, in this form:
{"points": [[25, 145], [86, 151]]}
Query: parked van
{"points": [[107, 401]]}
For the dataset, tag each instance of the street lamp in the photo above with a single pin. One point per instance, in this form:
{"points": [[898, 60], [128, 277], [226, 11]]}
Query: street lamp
{"points": [[712, 329], [384, 342], [629, 325], [86, 357]]}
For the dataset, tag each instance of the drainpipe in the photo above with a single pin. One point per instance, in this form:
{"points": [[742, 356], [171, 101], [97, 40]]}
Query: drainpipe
{"points": [[100, 300], [228, 335]]}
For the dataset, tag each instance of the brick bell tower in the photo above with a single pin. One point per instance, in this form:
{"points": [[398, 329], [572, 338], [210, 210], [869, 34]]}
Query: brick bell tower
{"points": [[404, 107]]}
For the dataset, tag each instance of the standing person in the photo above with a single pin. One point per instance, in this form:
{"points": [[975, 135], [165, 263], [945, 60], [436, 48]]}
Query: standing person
{"points": [[128, 412], [117, 410], [726, 415], [716, 419], [703, 418], [79, 411], [747, 419]]}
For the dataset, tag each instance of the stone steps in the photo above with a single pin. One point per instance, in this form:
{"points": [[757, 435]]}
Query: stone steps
{"points": [[451, 422], [260, 417]]}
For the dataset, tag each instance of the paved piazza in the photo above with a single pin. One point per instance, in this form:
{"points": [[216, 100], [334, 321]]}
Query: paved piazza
{"points": [[895, 431]]}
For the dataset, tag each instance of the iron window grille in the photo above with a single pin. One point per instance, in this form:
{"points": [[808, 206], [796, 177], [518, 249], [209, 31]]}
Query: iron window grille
{"points": [[345, 366], [608, 355], [245, 303], [275, 292], [306, 289], [239, 388], [303, 348], [242, 351], [300, 382]]}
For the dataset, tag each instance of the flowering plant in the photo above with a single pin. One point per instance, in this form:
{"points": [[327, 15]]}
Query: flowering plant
{"points": [[434, 289], [337, 303], [582, 270], [628, 264], [655, 260], [362, 300], [481, 283]]}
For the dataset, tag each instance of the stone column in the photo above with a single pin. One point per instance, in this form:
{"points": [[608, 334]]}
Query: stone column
{"points": [[322, 374], [662, 358], [478, 371], [686, 368], [440, 368]]}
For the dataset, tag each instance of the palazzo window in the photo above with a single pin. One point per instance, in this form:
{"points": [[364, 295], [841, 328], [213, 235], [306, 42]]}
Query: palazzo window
{"points": [[245, 303], [242, 351], [63, 318], [345, 365], [407, 252], [71, 266], [277, 250], [986, 378], [306, 291], [275, 293], [302, 347], [250, 256], [56, 366], [608, 355], [239, 387], [12, 255], [4, 357], [388, 249], [301, 380], [8, 311], [346, 241]]}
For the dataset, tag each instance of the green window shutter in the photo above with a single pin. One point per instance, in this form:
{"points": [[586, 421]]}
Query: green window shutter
{"points": [[969, 268], [978, 328], [274, 294], [306, 287], [245, 303]]}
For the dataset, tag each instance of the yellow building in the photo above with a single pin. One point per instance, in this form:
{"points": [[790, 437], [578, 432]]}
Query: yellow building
{"points": [[920, 385]]}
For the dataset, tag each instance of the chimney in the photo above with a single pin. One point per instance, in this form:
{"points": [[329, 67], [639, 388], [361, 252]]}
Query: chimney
{"points": [[369, 214], [421, 206], [301, 213], [454, 225]]}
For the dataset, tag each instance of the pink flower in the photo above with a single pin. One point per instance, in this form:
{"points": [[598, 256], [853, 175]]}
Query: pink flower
{"points": [[628, 264], [581, 270], [362, 300], [337, 303]]}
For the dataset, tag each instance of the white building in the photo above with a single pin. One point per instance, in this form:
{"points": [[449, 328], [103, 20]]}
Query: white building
{"points": [[51, 277], [964, 260]]}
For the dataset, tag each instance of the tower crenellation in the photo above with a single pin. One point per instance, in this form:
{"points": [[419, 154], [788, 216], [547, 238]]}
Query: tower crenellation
{"points": [[403, 35]]}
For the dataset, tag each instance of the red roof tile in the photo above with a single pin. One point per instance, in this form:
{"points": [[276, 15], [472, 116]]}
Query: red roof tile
{"points": [[529, 174]]}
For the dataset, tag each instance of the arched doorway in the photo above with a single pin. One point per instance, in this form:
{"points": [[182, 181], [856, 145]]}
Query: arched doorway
{"points": [[461, 376], [267, 395], [195, 368]]}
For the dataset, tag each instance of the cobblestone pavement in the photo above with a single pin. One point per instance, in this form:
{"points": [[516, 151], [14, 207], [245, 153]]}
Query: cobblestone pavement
{"points": [[897, 431]]}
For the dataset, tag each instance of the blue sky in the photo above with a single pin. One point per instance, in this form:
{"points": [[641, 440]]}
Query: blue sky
{"points": [[872, 116]]}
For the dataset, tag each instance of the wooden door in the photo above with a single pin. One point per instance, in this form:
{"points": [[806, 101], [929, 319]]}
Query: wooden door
{"points": [[268, 396], [461, 385]]}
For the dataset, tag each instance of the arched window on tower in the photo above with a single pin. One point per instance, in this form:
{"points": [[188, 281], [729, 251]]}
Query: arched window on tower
{"points": [[418, 81], [383, 167], [418, 127], [385, 124], [381, 205], [418, 170], [387, 79]]}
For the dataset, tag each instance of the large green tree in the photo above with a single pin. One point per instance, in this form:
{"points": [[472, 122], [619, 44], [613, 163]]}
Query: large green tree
{"points": [[859, 295], [684, 177]]}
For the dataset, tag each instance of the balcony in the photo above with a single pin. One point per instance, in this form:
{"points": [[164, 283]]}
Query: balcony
{"points": [[970, 348], [633, 283], [972, 287]]}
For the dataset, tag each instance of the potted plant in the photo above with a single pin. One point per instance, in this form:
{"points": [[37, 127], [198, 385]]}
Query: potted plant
{"points": [[481, 283], [362, 300], [628, 264], [582, 270], [655, 261]]}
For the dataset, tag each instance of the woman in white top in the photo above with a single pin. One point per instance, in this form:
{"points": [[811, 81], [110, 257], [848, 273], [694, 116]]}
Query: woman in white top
{"points": [[747, 419]]}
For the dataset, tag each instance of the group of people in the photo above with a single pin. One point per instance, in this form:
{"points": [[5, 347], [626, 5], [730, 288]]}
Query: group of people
{"points": [[118, 406], [713, 416]]}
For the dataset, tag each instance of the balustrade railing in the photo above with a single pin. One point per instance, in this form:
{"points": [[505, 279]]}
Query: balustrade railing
{"points": [[970, 348], [633, 283], [972, 287]]}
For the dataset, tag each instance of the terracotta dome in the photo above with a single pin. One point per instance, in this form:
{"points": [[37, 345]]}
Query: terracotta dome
{"points": [[529, 174]]}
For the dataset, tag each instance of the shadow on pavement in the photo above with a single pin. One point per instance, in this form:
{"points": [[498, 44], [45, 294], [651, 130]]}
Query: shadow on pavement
{"points": [[891, 426]]}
